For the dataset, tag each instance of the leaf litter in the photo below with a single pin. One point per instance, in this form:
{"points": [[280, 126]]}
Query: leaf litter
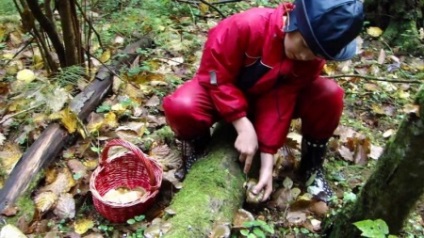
{"points": [[134, 113]]}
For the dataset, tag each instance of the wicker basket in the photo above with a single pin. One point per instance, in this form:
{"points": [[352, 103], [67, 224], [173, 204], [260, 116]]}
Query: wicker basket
{"points": [[131, 170]]}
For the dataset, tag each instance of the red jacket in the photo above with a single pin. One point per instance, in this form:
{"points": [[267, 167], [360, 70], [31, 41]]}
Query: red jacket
{"points": [[243, 58]]}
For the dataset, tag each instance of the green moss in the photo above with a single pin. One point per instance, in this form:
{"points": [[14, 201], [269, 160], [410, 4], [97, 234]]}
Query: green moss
{"points": [[26, 209], [208, 188]]}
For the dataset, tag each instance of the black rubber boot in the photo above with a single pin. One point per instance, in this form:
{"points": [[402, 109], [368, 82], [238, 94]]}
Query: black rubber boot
{"points": [[191, 151], [311, 170]]}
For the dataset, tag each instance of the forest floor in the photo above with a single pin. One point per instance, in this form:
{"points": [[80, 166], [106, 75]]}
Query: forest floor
{"points": [[379, 83]]}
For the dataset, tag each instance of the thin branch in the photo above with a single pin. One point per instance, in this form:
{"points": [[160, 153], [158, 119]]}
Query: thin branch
{"points": [[375, 78], [17, 53], [49, 28], [89, 24], [213, 7], [225, 1]]}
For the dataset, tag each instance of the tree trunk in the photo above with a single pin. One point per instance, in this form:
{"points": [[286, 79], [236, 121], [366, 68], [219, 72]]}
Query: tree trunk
{"points": [[212, 190], [397, 183], [400, 19], [71, 32]]}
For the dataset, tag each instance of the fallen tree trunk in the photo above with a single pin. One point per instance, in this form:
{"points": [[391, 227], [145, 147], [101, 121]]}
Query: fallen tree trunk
{"points": [[212, 190], [51, 141], [396, 185]]}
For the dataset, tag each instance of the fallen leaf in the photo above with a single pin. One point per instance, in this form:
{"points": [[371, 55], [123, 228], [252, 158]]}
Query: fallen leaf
{"points": [[45, 200], [241, 217], [376, 152], [81, 226], [105, 56], [65, 207], [10, 154], [9, 231], [153, 101], [296, 217], [388, 133], [374, 31], [26, 76], [412, 109], [345, 153], [62, 184]]}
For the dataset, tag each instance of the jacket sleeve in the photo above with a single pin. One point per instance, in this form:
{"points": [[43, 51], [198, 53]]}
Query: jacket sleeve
{"points": [[221, 62]]}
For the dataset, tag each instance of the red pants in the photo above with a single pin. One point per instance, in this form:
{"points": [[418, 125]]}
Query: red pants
{"points": [[190, 112]]}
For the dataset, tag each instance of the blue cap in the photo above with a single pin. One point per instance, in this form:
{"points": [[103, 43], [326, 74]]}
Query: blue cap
{"points": [[329, 27]]}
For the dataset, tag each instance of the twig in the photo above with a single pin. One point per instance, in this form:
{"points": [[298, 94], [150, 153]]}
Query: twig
{"points": [[89, 24], [213, 7], [374, 78], [225, 1], [7, 117], [17, 53]]}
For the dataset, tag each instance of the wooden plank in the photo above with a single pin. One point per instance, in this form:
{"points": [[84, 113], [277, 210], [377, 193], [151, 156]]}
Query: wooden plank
{"points": [[43, 151]]}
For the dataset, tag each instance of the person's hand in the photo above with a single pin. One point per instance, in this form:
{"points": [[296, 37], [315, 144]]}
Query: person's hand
{"points": [[265, 177], [246, 143]]}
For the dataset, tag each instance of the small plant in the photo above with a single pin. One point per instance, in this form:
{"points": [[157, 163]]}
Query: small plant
{"points": [[373, 228], [136, 219], [139, 232], [256, 229]]}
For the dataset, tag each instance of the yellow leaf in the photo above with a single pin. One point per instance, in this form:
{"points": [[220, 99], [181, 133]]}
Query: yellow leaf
{"points": [[9, 156], [377, 109], [45, 200], [111, 120], [203, 8], [26, 75], [62, 183], [83, 225], [90, 164], [95, 123], [105, 56], [374, 31], [69, 120], [330, 69]]}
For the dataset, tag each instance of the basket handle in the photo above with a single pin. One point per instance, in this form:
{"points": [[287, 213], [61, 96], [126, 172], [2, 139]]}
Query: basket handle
{"points": [[136, 151]]}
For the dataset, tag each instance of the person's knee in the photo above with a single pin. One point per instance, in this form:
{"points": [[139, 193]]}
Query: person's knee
{"points": [[330, 94], [177, 107]]}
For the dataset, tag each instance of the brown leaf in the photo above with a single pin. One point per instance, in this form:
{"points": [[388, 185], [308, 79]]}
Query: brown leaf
{"points": [[345, 153], [241, 217], [77, 167], [65, 207], [153, 102], [10, 211], [296, 217], [319, 208]]}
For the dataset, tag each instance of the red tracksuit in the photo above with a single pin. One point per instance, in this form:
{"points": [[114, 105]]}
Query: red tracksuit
{"points": [[244, 71]]}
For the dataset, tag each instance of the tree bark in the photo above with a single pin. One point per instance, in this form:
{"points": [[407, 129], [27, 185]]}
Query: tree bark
{"points": [[397, 184], [212, 190], [71, 32]]}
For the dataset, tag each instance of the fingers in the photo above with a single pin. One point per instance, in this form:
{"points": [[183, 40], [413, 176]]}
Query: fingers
{"points": [[263, 185], [242, 158], [248, 163]]}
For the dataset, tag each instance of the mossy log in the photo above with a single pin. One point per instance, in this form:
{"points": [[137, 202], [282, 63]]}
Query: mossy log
{"points": [[396, 185], [212, 191]]}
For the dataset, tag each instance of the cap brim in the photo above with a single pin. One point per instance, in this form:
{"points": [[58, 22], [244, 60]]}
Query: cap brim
{"points": [[346, 53], [292, 22]]}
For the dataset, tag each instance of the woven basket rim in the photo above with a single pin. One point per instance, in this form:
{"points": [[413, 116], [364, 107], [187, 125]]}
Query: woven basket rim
{"points": [[142, 199]]}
